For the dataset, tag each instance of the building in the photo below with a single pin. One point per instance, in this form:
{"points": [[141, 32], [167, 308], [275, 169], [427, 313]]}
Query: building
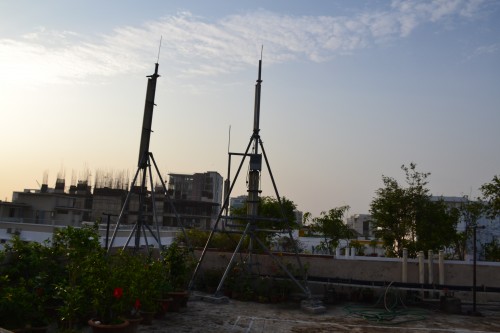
{"points": [[46, 206], [487, 230], [237, 202], [196, 198], [362, 224]]}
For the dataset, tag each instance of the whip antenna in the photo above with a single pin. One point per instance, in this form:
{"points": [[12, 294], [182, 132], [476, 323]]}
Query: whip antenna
{"points": [[159, 49]]}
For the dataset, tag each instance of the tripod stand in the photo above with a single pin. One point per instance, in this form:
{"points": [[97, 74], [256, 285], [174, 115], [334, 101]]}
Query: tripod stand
{"points": [[251, 229], [146, 159]]}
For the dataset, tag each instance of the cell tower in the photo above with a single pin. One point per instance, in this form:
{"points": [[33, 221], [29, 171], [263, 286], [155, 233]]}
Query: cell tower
{"points": [[250, 229], [144, 176]]}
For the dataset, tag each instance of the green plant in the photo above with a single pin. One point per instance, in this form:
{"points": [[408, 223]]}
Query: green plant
{"points": [[492, 250], [153, 284], [83, 261], [360, 248], [128, 270], [29, 267], [15, 303], [179, 264]]}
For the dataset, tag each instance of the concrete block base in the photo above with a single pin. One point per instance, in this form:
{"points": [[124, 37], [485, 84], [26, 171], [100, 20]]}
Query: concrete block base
{"points": [[312, 306], [213, 299]]}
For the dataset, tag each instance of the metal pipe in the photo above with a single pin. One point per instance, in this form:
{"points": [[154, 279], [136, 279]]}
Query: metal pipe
{"points": [[431, 268], [441, 267], [405, 266]]}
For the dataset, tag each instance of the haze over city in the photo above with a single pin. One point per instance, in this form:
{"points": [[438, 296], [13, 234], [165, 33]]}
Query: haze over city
{"points": [[351, 91]]}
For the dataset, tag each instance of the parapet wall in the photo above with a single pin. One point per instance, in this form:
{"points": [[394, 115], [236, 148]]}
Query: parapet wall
{"points": [[376, 269]]}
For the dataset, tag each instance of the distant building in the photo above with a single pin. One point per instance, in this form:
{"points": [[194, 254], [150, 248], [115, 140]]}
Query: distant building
{"points": [[47, 207], [107, 201], [298, 217], [237, 202], [197, 199], [362, 224], [488, 230]]}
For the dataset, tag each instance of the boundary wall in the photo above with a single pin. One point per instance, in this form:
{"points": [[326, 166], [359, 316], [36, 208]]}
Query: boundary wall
{"points": [[420, 273]]}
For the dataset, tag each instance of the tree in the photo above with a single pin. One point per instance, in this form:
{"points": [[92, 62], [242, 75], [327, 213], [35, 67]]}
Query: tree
{"points": [[360, 248], [491, 194], [390, 218], [470, 211], [279, 216], [405, 217], [331, 225], [492, 251], [436, 226]]}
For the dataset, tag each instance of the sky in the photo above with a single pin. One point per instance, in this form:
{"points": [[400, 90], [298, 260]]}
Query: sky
{"points": [[351, 91]]}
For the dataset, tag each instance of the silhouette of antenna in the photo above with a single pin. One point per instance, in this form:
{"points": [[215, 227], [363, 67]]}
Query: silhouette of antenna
{"points": [[147, 216], [250, 225], [159, 49]]}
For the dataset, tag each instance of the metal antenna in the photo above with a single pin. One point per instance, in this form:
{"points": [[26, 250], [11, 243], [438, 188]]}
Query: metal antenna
{"points": [[229, 140], [159, 49], [145, 221], [251, 230]]}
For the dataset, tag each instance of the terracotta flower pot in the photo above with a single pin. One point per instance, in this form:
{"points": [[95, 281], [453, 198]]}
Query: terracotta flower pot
{"points": [[164, 306], [97, 327], [180, 299], [133, 324], [147, 317]]}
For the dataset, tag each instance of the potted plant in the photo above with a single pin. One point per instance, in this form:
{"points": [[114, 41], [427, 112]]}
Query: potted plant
{"points": [[152, 284], [179, 265], [85, 269], [127, 268], [113, 291]]}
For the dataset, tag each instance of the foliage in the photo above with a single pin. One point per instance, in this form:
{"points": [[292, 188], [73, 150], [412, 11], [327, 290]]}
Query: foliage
{"points": [[83, 283], [287, 244], [152, 283], [405, 217], [470, 211], [198, 239], [274, 214], [492, 250], [332, 227], [360, 248], [15, 303], [374, 245], [26, 279], [247, 286], [180, 265], [75, 274], [436, 226], [491, 193]]}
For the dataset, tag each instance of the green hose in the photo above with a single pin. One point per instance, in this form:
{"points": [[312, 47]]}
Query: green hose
{"points": [[389, 309]]}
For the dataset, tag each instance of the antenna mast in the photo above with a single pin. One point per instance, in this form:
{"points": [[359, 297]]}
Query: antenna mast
{"points": [[252, 229], [144, 175]]}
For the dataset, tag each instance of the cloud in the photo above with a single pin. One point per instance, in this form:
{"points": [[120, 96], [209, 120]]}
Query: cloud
{"points": [[484, 50], [201, 48]]}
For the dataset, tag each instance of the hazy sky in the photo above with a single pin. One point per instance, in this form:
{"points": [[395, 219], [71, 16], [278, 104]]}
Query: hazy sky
{"points": [[351, 91]]}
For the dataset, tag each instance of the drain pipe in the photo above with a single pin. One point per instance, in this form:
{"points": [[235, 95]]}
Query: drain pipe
{"points": [[405, 266], [441, 267], [431, 270]]}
